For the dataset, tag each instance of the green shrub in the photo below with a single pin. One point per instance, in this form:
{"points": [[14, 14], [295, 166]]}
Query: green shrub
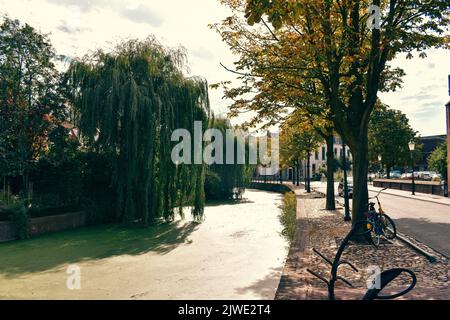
{"points": [[288, 216], [99, 198], [16, 213], [58, 183], [81, 181], [213, 186], [437, 160], [21, 220], [8, 201]]}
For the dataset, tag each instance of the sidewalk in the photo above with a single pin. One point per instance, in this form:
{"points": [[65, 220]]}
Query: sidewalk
{"points": [[417, 196], [321, 187], [317, 228], [426, 218]]}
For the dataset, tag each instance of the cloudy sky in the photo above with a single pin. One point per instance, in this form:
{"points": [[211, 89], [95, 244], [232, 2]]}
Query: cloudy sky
{"points": [[76, 26]]}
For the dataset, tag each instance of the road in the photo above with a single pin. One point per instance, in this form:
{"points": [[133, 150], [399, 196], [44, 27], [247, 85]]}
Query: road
{"points": [[427, 222]]}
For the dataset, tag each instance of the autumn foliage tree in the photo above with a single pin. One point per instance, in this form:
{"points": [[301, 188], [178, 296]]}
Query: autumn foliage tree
{"points": [[298, 139], [341, 50], [271, 87]]}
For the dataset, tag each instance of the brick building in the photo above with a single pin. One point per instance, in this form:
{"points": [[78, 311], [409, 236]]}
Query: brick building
{"points": [[447, 106]]}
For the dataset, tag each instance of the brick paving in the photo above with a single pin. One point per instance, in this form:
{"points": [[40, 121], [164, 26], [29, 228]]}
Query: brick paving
{"points": [[297, 284]]}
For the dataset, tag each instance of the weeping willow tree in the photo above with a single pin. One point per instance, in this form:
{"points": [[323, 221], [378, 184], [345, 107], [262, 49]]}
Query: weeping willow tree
{"points": [[225, 180], [128, 102]]}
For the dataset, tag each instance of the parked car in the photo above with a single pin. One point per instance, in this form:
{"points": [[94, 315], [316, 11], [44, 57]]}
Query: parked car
{"points": [[406, 175], [349, 187], [436, 176], [395, 175]]}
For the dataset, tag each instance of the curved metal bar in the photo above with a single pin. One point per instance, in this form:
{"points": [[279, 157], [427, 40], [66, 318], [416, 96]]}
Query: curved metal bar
{"points": [[349, 264], [345, 281], [337, 258], [318, 276], [387, 277], [322, 256]]}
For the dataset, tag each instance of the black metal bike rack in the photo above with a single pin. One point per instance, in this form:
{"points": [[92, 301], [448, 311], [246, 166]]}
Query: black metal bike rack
{"points": [[382, 279]]}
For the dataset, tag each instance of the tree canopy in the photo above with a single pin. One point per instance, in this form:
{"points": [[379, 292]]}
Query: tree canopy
{"points": [[331, 48], [129, 101], [389, 136], [225, 180], [29, 100], [437, 160]]}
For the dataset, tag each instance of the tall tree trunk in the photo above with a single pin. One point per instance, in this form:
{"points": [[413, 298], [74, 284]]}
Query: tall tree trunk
{"points": [[388, 172], [304, 173], [330, 205], [298, 172], [360, 169], [308, 173], [293, 174]]}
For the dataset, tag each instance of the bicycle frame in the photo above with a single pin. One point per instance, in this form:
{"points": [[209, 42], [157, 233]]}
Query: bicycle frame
{"points": [[373, 215]]}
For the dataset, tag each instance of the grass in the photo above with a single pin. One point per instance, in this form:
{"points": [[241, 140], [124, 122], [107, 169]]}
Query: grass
{"points": [[91, 243], [288, 216]]}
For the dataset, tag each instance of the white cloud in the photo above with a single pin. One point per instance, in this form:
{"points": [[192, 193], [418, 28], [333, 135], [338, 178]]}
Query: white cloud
{"points": [[143, 14], [77, 26], [424, 92], [84, 5]]}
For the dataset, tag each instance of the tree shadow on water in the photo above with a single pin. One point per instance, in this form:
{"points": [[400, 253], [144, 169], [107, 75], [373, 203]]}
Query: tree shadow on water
{"points": [[91, 243], [265, 287]]}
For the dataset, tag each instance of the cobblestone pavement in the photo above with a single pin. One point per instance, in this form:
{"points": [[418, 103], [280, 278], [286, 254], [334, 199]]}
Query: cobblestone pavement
{"points": [[323, 230], [418, 216]]}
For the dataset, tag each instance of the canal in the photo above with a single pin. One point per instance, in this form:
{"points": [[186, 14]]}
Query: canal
{"points": [[238, 252]]}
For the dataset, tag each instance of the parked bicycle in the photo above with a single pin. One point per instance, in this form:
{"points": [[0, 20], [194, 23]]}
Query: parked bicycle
{"points": [[379, 223]]}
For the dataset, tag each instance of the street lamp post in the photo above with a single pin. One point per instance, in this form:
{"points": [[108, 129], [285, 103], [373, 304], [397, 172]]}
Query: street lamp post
{"points": [[411, 148], [346, 202], [381, 166]]}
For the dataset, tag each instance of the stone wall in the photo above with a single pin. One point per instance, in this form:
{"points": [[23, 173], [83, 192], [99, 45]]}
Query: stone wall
{"points": [[429, 187], [44, 225], [7, 231]]}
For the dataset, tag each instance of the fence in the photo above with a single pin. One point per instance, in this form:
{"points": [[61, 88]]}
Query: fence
{"points": [[429, 187]]}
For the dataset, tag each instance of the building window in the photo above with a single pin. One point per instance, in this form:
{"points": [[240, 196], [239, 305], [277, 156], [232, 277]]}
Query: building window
{"points": [[317, 155], [314, 168], [324, 153], [335, 151]]}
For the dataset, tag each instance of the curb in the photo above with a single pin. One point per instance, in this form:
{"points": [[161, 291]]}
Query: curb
{"points": [[406, 197], [398, 195], [429, 257]]}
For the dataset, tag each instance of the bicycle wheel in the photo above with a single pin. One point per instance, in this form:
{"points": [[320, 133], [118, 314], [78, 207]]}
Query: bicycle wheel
{"points": [[389, 229], [374, 236]]}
